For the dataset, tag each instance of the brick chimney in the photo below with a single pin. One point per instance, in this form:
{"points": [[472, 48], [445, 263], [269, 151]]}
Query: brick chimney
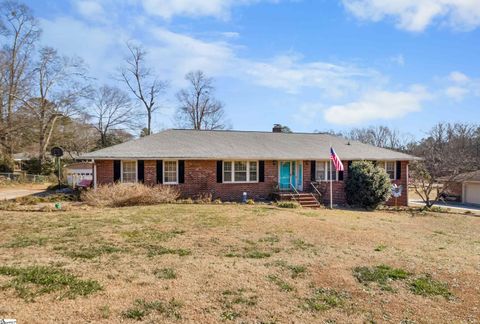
{"points": [[277, 128]]}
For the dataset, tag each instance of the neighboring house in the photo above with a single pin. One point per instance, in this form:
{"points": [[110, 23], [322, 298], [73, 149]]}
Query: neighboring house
{"points": [[226, 164], [78, 173], [466, 187]]}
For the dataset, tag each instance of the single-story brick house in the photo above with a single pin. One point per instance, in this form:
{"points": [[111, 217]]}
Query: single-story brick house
{"points": [[465, 187], [226, 164]]}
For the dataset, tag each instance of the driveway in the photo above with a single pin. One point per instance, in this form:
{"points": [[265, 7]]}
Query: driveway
{"points": [[450, 205], [12, 193]]}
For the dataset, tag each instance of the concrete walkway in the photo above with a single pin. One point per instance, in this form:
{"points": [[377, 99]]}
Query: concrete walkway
{"points": [[12, 193], [450, 205]]}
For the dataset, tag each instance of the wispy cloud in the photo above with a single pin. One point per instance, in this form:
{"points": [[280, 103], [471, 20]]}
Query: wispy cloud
{"points": [[378, 105], [194, 8], [417, 15], [459, 86]]}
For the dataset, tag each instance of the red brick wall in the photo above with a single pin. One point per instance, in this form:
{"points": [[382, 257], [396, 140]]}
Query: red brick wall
{"points": [[104, 171], [201, 178], [339, 186]]}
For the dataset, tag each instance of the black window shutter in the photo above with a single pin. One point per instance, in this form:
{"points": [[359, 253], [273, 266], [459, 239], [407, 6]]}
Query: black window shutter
{"points": [[261, 171], [159, 171], [116, 170], [219, 171], [399, 169], [313, 170], [140, 170], [349, 165], [340, 175], [181, 171]]}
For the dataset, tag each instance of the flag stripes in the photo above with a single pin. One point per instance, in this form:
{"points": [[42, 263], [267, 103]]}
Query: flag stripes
{"points": [[336, 160]]}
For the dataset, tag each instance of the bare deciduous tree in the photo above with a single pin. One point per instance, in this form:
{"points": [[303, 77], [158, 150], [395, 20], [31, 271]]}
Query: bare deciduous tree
{"points": [[112, 109], [141, 82], [198, 107], [448, 150], [19, 31], [58, 86]]}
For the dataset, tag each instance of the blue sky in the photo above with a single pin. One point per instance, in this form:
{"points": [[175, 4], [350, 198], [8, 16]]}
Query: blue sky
{"points": [[309, 64]]}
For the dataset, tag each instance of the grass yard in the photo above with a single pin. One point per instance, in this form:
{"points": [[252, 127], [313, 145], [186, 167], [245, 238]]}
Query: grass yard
{"points": [[233, 263]]}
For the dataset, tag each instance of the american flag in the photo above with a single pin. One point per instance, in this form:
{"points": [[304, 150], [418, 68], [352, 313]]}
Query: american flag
{"points": [[336, 160]]}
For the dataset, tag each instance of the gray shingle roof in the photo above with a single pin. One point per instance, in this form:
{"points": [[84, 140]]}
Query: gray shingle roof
{"points": [[218, 145]]}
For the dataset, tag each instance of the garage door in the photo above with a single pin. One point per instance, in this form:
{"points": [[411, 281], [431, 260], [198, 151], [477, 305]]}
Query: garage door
{"points": [[472, 193]]}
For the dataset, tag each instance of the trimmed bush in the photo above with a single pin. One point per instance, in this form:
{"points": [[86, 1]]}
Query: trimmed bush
{"points": [[367, 186], [122, 194]]}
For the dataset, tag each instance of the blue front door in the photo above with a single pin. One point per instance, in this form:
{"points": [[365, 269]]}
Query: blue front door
{"points": [[290, 174], [284, 182]]}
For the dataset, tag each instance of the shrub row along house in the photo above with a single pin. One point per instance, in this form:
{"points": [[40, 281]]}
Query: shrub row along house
{"points": [[226, 164]]}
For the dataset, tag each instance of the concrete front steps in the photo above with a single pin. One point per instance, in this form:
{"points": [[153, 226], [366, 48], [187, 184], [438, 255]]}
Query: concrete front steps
{"points": [[305, 199]]}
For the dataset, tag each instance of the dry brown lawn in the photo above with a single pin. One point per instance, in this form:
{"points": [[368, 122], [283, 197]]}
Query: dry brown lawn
{"points": [[233, 263]]}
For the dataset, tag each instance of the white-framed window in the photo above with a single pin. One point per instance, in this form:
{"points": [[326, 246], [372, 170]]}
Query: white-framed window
{"points": [[390, 167], [170, 172], [240, 171], [323, 172], [129, 171]]}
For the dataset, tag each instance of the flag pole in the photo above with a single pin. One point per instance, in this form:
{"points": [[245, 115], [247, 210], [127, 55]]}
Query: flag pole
{"points": [[331, 185]]}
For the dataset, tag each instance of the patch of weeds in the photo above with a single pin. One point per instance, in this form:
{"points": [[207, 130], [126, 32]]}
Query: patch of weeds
{"points": [[147, 235], [25, 241], [154, 250], [165, 273], [105, 311], [301, 244], [230, 315], [233, 301], [142, 308], [256, 254], [427, 286], [439, 232], [30, 282], [381, 275], [270, 239], [92, 251], [324, 299], [233, 255], [296, 270], [280, 283], [380, 248], [238, 297], [288, 204]]}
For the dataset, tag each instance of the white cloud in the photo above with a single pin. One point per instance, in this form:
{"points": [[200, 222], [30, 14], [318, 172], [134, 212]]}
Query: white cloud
{"points": [[193, 8], [90, 9], [459, 86], [417, 15], [457, 93], [378, 105], [458, 77], [398, 59], [291, 74], [307, 113]]}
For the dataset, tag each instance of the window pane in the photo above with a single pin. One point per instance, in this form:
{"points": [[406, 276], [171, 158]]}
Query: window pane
{"points": [[253, 171], [240, 171], [331, 173], [320, 170], [390, 168], [227, 171], [170, 172], [129, 171]]}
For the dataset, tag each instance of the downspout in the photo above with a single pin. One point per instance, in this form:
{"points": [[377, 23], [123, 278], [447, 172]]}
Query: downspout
{"points": [[94, 174]]}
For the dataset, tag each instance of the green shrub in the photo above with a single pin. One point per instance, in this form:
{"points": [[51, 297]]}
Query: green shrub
{"points": [[288, 204], [367, 186], [250, 202]]}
